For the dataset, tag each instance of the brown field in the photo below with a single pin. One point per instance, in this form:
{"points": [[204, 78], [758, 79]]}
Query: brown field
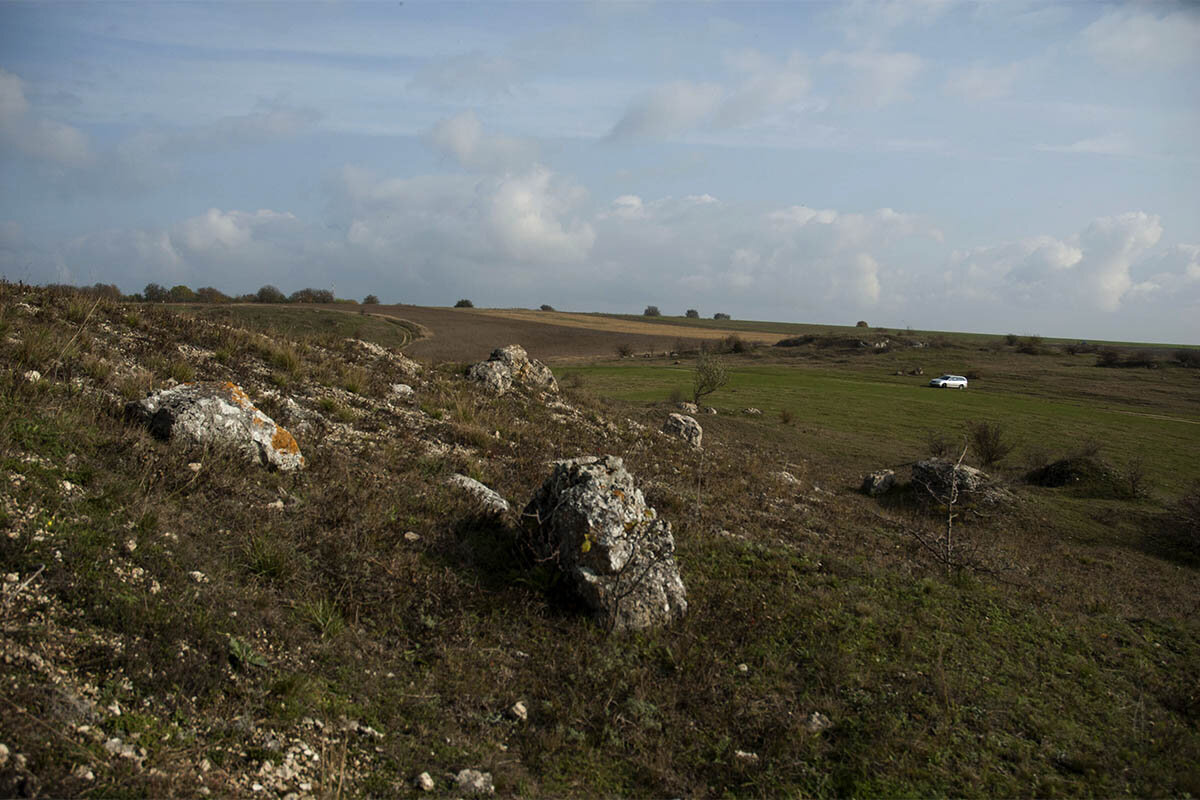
{"points": [[470, 334]]}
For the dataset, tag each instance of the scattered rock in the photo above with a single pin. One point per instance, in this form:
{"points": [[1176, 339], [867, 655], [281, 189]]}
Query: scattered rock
{"points": [[743, 668], [512, 365], [472, 781], [685, 428], [754, 412], [411, 536], [939, 475], [425, 782], [594, 522], [217, 413], [787, 477], [878, 482], [33, 376], [402, 391], [194, 466], [816, 722], [745, 757], [689, 408], [519, 712], [710, 410], [488, 498]]}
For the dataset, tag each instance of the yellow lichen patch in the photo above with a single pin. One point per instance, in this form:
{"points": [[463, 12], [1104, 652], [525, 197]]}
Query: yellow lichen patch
{"points": [[284, 441], [237, 395]]}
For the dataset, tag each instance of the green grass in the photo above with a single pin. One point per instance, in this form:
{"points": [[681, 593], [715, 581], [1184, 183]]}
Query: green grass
{"points": [[309, 323], [876, 419]]}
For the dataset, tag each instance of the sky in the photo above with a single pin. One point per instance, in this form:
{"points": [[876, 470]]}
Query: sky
{"points": [[1005, 167]]}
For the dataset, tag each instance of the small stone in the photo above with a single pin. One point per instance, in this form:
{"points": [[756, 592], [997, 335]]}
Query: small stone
{"points": [[472, 781], [754, 412], [256, 787], [198, 576], [519, 712], [816, 722], [425, 782], [410, 536], [33, 376], [11, 577], [205, 765], [130, 545], [83, 773], [743, 667], [3, 754], [194, 466], [745, 756], [402, 391], [276, 505]]}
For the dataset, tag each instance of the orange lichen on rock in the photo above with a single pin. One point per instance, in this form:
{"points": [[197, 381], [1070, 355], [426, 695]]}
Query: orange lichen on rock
{"points": [[237, 394], [284, 441]]}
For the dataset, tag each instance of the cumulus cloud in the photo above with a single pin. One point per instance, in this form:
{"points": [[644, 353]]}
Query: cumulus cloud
{"points": [[528, 215], [226, 229], [876, 78], [462, 138], [36, 136], [1141, 37]]}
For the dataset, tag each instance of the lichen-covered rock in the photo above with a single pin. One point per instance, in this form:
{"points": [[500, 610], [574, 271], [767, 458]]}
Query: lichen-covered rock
{"points": [[878, 482], [512, 365], [488, 498], [939, 475], [685, 428], [218, 413], [689, 408], [594, 522]]}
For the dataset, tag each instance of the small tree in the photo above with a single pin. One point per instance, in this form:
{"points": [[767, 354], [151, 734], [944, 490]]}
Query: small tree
{"points": [[710, 375], [370, 300], [547, 307], [155, 293], [692, 314], [270, 294], [651, 311], [182, 294], [464, 303], [211, 294], [990, 444], [720, 315], [862, 323]]}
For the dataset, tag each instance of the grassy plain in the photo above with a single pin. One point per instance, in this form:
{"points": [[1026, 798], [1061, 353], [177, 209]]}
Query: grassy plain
{"points": [[1067, 663]]}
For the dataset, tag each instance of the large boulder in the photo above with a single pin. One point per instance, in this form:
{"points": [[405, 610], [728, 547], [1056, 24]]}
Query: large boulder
{"points": [[594, 522], [878, 482], [217, 413], [685, 428], [940, 475], [509, 366]]}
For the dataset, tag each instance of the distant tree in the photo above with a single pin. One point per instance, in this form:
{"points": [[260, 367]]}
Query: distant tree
{"points": [[651, 311], [692, 314], [370, 300], [310, 295], [246, 298], [464, 303], [109, 291], [210, 294], [270, 294], [719, 315], [155, 293], [862, 323], [547, 307], [182, 294]]}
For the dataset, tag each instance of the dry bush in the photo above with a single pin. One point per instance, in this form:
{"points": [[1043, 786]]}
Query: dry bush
{"points": [[988, 441]]}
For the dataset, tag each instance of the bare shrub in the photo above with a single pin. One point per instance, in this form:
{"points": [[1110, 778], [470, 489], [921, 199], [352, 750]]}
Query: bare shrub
{"points": [[624, 350], [786, 416], [1188, 357], [989, 442], [937, 444], [1108, 357]]}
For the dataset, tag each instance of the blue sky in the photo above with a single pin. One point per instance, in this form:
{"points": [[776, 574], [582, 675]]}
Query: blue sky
{"points": [[992, 166]]}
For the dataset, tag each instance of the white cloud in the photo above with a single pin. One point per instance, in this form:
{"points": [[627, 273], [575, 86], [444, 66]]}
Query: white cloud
{"points": [[877, 78], [1112, 144], [35, 136], [528, 216], [225, 229], [462, 138], [981, 82], [1136, 37]]}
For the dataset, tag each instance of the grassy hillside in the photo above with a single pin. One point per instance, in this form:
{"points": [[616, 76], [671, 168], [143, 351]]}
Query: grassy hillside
{"points": [[174, 630]]}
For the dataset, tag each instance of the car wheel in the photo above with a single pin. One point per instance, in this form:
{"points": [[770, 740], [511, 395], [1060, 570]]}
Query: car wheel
{"points": [[962, 387]]}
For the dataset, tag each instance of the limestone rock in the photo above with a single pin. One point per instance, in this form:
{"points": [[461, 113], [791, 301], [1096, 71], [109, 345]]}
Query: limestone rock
{"points": [[472, 781], [488, 498], [509, 366], [592, 519], [402, 391], [939, 475], [754, 412], [217, 413], [685, 428], [878, 482], [689, 408]]}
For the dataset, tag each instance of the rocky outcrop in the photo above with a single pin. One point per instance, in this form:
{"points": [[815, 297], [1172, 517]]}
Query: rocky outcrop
{"points": [[685, 428], [490, 499], [878, 482], [509, 366], [939, 476], [219, 413], [594, 522]]}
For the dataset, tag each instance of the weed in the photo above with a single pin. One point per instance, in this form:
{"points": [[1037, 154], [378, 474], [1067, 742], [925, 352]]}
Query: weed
{"points": [[323, 616], [243, 656]]}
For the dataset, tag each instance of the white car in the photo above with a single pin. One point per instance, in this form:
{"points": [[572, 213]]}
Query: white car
{"points": [[949, 382]]}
